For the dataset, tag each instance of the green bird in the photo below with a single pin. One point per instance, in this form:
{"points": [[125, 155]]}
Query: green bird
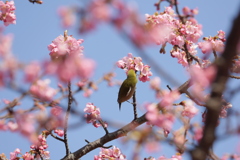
{"points": [[127, 88]]}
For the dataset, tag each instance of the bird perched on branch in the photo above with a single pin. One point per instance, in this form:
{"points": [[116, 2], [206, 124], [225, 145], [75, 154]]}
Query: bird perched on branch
{"points": [[127, 88]]}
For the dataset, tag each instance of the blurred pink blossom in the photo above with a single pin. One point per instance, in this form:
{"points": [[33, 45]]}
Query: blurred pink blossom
{"points": [[189, 109], [41, 90], [32, 71], [14, 155], [67, 16], [59, 132], [155, 83]]}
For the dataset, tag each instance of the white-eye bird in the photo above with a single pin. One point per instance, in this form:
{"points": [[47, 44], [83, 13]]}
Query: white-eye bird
{"points": [[127, 88]]}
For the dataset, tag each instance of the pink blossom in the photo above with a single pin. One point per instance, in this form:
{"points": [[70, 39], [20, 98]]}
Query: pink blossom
{"points": [[67, 16], [2, 125], [99, 10], [161, 33], [145, 73], [12, 126], [89, 108], [218, 45], [198, 133], [138, 63], [46, 154], [28, 156], [70, 67], [164, 121], [205, 46], [193, 31], [152, 146], [41, 90], [189, 109], [176, 39], [56, 111], [201, 79], [195, 11], [13, 155], [181, 56], [7, 14], [59, 132], [169, 97], [25, 122], [155, 83], [221, 34], [5, 43], [114, 153], [121, 64], [62, 46], [32, 71], [87, 92], [93, 114], [186, 10], [130, 62]]}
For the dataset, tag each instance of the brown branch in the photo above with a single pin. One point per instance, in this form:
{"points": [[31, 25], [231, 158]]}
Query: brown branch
{"points": [[214, 103], [107, 138], [60, 139], [235, 77], [114, 135], [66, 118]]}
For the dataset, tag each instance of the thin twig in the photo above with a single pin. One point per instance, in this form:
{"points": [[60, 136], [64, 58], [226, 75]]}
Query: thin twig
{"points": [[60, 139], [103, 125], [66, 118], [180, 17]]}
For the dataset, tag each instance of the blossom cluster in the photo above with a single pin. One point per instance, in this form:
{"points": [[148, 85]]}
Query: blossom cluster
{"points": [[162, 120], [112, 153], [211, 44], [201, 79], [189, 109], [36, 149], [67, 16], [42, 91], [135, 63], [41, 146], [165, 27], [67, 59], [7, 14], [93, 115]]}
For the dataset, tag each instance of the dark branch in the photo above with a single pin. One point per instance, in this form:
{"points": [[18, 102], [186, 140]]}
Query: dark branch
{"points": [[214, 103]]}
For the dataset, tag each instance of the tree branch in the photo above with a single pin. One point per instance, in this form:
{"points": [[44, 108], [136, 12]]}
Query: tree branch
{"points": [[214, 103]]}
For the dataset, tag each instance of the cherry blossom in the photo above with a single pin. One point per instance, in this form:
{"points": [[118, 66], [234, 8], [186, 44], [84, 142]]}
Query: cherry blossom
{"points": [[189, 109], [93, 115], [129, 62], [59, 132], [41, 90], [7, 14], [32, 71], [67, 16], [112, 153]]}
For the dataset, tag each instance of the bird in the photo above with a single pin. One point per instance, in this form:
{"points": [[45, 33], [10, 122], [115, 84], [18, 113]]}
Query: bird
{"points": [[127, 88]]}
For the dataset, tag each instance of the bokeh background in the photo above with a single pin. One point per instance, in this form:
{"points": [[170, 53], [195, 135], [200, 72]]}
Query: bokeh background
{"points": [[38, 25]]}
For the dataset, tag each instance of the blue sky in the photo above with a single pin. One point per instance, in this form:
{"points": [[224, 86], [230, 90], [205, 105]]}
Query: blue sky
{"points": [[38, 25]]}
